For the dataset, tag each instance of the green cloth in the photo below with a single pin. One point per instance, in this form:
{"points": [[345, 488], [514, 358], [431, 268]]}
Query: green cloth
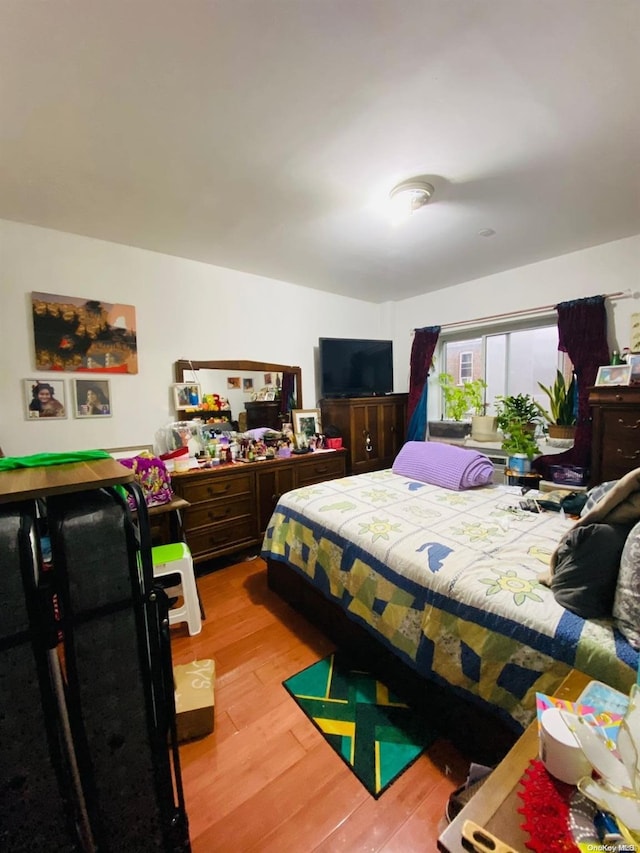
{"points": [[38, 460]]}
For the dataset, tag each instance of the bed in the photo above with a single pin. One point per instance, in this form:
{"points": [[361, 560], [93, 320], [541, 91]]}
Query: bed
{"points": [[446, 582]]}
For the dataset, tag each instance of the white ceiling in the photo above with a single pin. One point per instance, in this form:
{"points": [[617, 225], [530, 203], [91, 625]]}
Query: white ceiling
{"points": [[265, 135]]}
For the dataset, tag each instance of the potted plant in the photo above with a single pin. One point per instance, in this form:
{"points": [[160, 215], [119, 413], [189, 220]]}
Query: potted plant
{"points": [[458, 401], [561, 418], [521, 446], [517, 408]]}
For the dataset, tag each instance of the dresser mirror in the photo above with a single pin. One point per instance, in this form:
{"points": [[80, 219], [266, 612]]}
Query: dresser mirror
{"points": [[242, 382]]}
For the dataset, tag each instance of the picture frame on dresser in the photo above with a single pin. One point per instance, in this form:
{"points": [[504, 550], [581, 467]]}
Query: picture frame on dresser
{"points": [[614, 374], [306, 421], [634, 364]]}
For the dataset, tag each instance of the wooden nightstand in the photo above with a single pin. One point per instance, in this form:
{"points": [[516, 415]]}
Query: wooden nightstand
{"points": [[495, 806]]}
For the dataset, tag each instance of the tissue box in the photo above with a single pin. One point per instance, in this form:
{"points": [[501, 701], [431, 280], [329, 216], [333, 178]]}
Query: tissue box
{"points": [[193, 684]]}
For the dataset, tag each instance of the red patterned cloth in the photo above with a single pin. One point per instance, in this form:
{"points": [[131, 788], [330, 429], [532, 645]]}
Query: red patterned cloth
{"points": [[546, 811]]}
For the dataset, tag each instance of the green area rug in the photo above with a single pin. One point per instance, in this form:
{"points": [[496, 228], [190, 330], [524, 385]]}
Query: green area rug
{"points": [[373, 731]]}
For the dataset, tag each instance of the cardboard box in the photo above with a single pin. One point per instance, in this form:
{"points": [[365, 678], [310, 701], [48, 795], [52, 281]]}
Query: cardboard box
{"points": [[193, 684]]}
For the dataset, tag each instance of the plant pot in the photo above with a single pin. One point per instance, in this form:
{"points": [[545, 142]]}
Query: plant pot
{"points": [[484, 428], [564, 432], [449, 429], [519, 463]]}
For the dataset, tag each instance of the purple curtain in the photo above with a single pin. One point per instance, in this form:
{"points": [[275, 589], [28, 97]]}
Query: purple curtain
{"points": [[582, 334], [422, 349], [287, 393]]}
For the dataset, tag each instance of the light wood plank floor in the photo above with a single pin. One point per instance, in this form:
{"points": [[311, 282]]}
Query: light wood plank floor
{"points": [[265, 779]]}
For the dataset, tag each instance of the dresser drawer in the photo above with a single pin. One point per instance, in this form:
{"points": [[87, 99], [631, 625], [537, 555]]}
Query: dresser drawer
{"points": [[216, 486], [211, 512], [216, 539], [326, 466]]}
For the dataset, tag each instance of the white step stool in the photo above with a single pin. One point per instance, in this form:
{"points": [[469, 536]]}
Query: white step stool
{"points": [[175, 559]]}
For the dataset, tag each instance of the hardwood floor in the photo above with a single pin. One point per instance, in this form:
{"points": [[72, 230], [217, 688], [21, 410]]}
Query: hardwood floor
{"points": [[265, 779]]}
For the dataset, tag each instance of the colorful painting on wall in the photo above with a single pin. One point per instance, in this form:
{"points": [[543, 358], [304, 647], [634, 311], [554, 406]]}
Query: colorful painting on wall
{"points": [[71, 333]]}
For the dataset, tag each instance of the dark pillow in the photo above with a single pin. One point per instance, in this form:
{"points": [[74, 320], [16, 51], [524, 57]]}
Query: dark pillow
{"points": [[586, 574]]}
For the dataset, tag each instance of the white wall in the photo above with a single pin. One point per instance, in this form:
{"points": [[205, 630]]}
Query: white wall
{"points": [[184, 309], [192, 310], [609, 268]]}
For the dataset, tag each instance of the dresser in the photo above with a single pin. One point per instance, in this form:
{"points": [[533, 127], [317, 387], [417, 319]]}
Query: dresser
{"points": [[230, 505], [373, 428], [615, 445]]}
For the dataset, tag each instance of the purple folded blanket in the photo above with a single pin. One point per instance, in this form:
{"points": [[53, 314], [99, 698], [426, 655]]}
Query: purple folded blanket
{"points": [[443, 465]]}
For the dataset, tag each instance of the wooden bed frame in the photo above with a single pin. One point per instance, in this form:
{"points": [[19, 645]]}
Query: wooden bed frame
{"points": [[482, 737]]}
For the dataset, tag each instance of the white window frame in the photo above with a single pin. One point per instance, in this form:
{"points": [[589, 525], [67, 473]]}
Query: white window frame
{"points": [[462, 379]]}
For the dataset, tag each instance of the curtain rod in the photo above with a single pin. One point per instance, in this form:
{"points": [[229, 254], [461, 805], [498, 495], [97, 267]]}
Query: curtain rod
{"points": [[523, 313]]}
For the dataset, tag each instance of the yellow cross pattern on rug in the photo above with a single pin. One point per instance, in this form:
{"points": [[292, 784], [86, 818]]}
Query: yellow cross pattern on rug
{"points": [[370, 728]]}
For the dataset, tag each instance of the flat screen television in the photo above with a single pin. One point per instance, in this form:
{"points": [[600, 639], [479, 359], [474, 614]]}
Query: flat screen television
{"points": [[355, 368]]}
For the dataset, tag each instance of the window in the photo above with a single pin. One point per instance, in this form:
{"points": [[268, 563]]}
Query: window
{"points": [[511, 361], [466, 367]]}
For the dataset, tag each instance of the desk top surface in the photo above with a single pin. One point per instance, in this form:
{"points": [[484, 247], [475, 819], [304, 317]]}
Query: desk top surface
{"points": [[28, 483]]}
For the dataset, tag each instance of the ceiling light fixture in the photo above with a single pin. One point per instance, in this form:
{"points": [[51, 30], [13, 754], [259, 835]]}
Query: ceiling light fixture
{"points": [[409, 196]]}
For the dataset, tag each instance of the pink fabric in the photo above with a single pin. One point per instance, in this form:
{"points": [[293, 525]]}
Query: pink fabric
{"points": [[443, 465]]}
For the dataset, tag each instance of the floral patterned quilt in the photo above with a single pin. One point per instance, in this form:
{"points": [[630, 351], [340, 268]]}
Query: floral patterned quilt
{"points": [[448, 580]]}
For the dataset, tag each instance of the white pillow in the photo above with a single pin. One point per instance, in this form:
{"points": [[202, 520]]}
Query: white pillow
{"points": [[626, 602]]}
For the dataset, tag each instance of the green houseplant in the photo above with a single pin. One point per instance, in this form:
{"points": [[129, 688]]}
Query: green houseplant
{"points": [[561, 417], [520, 441], [459, 399], [517, 408]]}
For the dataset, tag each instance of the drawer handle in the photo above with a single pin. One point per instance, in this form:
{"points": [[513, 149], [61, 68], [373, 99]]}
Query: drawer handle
{"points": [[217, 490], [216, 516], [633, 456], [367, 443], [629, 426]]}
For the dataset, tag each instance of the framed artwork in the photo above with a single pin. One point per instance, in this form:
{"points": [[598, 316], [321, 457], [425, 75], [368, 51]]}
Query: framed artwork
{"points": [[614, 374], [186, 395], [634, 339], [247, 384], [634, 364], [267, 379], [44, 399], [270, 396], [74, 333], [92, 398], [233, 382], [306, 421]]}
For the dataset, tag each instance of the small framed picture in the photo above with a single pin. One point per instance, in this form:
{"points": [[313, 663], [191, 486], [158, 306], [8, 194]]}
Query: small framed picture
{"points": [[92, 398], [247, 384], [634, 364], [233, 382], [270, 395], [44, 398], [306, 421], [186, 395], [614, 374]]}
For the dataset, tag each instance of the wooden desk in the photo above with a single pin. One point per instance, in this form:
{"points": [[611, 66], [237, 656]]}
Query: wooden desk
{"points": [[26, 483], [494, 807]]}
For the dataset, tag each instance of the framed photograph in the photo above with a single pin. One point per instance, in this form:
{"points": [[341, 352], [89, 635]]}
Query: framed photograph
{"points": [[306, 421], [233, 382], [270, 395], [186, 395], [247, 384], [92, 398], [44, 398], [634, 364], [614, 374]]}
